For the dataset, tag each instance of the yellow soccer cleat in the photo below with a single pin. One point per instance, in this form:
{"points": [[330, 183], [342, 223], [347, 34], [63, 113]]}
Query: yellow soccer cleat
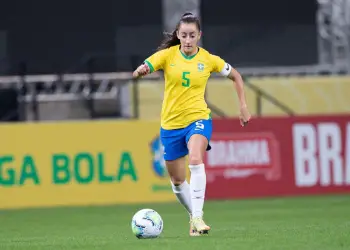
{"points": [[199, 226]]}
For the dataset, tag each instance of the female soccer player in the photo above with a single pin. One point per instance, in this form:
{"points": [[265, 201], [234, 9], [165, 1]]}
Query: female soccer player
{"points": [[186, 124]]}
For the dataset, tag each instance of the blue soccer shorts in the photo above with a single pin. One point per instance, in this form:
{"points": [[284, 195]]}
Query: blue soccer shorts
{"points": [[175, 140]]}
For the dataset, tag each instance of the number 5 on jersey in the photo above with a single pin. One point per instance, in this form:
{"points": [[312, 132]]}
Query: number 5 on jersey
{"points": [[186, 80]]}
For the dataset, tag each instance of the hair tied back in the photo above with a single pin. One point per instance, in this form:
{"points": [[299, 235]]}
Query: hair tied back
{"points": [[188, 14]]}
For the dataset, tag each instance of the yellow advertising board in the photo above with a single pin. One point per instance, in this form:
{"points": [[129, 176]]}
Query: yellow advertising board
{"points": [[82, 163]]}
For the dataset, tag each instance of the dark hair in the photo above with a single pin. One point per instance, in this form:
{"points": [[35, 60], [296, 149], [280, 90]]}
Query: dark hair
{"points": [[170, 39]]}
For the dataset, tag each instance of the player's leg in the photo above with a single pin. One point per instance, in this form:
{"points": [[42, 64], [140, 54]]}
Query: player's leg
{"points": [[181, 188], [198, 142], [175, 151]]}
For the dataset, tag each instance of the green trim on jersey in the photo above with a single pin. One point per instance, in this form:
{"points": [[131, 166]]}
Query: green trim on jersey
{"points": [[150, 66], [188, 57]]}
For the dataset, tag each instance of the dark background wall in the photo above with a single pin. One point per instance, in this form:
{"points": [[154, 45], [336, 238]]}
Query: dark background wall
{"points": [[262, 33], [52, 36], [55, 35]]}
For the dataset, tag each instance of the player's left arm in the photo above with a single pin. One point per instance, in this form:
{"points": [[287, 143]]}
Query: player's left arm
{"points": [[225, 69]]}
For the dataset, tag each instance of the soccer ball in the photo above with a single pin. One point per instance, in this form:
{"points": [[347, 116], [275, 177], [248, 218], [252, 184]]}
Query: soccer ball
{"points": [[146, 224]]}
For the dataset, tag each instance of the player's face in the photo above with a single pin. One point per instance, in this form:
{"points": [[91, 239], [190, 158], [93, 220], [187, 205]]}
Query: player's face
{"points": [[189, 36]]}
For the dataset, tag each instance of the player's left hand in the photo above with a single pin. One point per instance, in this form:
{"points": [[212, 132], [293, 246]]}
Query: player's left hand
{"points": [[244, 116]]}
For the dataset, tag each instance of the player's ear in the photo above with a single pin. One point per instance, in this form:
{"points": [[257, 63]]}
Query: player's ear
{"points": [[200, 35], [177, 34]]}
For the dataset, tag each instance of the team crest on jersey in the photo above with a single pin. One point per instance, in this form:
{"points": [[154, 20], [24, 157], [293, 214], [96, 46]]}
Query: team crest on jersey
{"points": [[200, 67]]}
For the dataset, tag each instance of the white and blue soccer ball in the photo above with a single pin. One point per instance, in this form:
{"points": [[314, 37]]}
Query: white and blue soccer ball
{"points": [[146, 224]]}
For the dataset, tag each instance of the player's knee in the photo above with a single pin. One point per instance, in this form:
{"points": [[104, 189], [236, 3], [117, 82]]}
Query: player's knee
{"points": [[195, 159], [176, 180]]}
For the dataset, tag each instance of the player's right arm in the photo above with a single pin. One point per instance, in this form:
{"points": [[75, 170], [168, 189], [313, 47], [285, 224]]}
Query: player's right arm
{"points": [[153, 63]]}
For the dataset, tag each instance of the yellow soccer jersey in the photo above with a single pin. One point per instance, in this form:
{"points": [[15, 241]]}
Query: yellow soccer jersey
{"points": [[185, 82]]}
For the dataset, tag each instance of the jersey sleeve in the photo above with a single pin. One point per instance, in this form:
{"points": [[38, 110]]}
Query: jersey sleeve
{"points": [[157, 61], [220, 66]]}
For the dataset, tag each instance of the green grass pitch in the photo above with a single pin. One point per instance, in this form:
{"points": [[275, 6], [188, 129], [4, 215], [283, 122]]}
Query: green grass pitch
{"points": [[285, 223]]}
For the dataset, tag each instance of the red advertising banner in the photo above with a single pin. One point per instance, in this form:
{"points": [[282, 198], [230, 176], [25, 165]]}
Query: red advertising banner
{"points": [[279, 156]]}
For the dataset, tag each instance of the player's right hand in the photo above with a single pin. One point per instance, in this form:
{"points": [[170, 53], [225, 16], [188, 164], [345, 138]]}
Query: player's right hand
{"points": [[142, 70]]}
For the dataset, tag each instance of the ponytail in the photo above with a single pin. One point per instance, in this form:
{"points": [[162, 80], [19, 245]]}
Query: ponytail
{"points": [[170, 39]]}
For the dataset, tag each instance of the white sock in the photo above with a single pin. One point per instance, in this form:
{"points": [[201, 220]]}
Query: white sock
{"points": [[183, 194], [198, 184]]}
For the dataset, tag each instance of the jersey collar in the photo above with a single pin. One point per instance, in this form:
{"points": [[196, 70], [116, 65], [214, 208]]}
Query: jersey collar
{"points": [[188, 57]]}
